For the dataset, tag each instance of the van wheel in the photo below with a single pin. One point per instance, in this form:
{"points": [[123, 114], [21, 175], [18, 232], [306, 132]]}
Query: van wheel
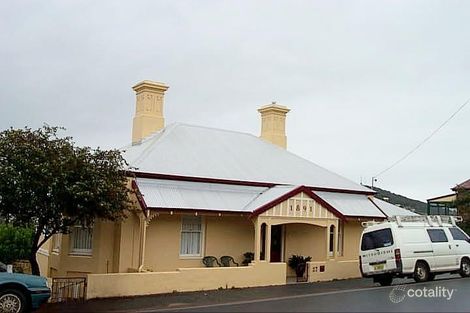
{"points": [[421, 272], [465, 268], [385, 280]]}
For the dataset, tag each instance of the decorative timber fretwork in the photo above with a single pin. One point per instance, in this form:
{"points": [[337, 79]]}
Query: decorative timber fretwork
{"points": [[300, 205]]}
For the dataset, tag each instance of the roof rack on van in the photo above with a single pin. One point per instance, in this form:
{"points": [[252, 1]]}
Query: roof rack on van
{"points": [[431, 220]]}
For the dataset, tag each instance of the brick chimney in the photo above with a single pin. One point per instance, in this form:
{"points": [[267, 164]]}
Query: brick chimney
{"points": [[148, 109], [273, 124]]}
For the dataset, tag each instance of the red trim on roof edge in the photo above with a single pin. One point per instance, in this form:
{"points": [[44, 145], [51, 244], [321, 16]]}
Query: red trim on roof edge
{"points": [[292, 193], [200, 211], [140, 197], [237, 182]]}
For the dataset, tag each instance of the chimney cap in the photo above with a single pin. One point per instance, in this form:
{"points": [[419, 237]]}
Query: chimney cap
{"points": [[150, 85], [274, 107]]}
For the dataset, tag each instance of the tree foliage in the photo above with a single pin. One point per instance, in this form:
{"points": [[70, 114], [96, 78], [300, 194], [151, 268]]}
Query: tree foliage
{"points": [[50, 184], [15, 243], [462, 203]]}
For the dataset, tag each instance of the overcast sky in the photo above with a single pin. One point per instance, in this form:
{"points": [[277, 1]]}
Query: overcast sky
{"points": [[366, 80]]}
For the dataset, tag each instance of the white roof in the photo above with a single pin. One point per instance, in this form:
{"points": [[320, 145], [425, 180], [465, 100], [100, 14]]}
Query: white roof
{"points": [[350, 204], [268, 196], [390, 209], [195, 151], [173, 194], [176, 194]]}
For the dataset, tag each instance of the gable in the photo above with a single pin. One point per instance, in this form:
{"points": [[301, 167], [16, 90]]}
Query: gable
{"points": [[300, 205]]}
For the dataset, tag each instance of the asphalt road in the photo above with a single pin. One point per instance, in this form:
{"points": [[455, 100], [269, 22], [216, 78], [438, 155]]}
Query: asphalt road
{"points": [[447, 295]]}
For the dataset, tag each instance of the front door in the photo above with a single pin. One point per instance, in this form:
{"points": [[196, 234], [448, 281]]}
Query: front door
{"points": [[276, 243]]}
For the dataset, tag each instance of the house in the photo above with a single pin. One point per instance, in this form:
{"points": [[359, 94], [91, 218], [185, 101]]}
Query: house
{"points": [[204, 192], [447, 204]]}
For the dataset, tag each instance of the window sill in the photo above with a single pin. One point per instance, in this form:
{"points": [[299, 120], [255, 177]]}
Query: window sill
{"points": [[191, 257], [81, 254]]}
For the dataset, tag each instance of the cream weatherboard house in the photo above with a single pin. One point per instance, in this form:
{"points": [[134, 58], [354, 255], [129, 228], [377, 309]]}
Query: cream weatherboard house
{"points": [[211, 192]]}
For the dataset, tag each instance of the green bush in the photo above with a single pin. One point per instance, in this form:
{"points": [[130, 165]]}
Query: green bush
{"points": [[15, 243], [295, 260]]}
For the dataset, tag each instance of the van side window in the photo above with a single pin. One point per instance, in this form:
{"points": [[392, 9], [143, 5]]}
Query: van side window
{"points": [[457, 234], [437, 235], [377, 239]]}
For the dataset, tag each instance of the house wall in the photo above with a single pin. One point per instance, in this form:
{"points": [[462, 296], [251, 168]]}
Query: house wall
{"points": [[185, 279], [63, 263], [306, 240], [223, 235], [352, 236]]}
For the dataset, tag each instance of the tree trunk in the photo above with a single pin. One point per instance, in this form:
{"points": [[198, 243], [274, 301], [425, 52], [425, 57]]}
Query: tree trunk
{"points": [[34, 265]]}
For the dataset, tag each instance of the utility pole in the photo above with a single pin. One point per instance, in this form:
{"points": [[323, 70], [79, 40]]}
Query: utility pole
{"points": [[374, 179]]}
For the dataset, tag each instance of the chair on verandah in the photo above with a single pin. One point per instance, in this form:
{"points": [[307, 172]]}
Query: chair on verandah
{"points": [[226, 259], [209, 261]]}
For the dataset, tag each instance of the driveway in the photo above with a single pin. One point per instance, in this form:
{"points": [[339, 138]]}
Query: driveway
{"points": [[344, 295]]}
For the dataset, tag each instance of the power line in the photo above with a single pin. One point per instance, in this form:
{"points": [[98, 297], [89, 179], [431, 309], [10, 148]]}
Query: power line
{"points": [[424, 141]]}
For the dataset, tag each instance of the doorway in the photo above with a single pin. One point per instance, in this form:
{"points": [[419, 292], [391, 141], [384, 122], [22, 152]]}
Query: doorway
{"points": [[277, 243]]}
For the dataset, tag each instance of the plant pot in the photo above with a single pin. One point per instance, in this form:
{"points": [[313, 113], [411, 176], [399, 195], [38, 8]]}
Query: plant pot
{"points": [[300, 269]]}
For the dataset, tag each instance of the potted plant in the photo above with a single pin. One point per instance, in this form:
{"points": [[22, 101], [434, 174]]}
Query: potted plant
{"points": [[298, 263], [249, 256]]}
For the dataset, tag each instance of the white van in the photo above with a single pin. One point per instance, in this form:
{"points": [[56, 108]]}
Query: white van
{"points": [[413, 246]]}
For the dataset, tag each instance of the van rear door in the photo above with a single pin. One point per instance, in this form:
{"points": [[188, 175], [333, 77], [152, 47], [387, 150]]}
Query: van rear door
{"points": [[377, 251]]}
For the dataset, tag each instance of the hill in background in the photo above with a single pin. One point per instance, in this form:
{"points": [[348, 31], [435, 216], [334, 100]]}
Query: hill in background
{"points": [[401, 201]]}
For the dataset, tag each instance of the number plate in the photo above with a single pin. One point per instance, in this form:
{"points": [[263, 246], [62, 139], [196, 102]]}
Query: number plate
{"points": [[379, 267]]}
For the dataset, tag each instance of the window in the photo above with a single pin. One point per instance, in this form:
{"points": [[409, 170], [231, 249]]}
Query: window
{"points": [[332, 239], [81, 240], [340, 238], [191, 236], [262, 256], [437, 235], [457, 234], [377, 239]]}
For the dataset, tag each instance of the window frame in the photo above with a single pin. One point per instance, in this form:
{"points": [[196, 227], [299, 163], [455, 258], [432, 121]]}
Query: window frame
{"points": [[77, 251], [331, 240], [201, 239], [437, 230]]}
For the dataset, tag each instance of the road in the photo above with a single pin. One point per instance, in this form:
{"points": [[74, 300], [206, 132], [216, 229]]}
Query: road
{"points": [[451, 294], [448, 295]]}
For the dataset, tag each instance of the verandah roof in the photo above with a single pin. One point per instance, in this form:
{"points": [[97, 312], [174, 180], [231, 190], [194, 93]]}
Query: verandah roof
{"points": [[173, 194]]}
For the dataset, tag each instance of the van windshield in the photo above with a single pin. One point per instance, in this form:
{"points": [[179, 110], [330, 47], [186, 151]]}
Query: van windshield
{"points": [[377, 239]]}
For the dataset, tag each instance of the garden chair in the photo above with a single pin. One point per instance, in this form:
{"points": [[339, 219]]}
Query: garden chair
{"points": [[209, 261], [226, 259]]}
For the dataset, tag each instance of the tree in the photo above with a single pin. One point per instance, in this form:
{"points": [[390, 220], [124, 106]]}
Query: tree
{"points": [[462, 203], [49, 184], [15, 243]]}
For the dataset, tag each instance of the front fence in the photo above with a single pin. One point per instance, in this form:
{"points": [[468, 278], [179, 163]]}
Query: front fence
{"points": [[68, 289]]}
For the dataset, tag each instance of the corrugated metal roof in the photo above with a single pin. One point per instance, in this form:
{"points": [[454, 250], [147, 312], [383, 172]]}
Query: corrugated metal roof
{"points": [[194, 195], [173, 194], [268, 196], [350, 204], [390, 209], [195, 151]]}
